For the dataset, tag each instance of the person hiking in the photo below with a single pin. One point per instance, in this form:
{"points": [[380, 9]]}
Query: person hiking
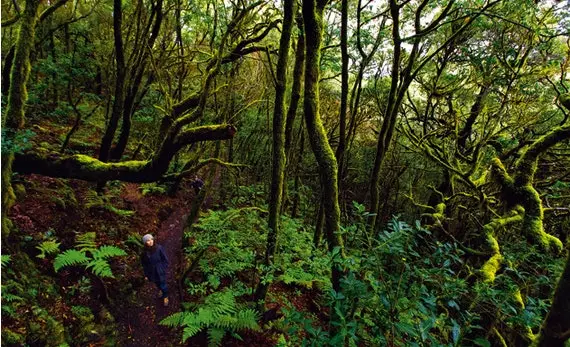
{"points": [[197, 184], [155, 263]]}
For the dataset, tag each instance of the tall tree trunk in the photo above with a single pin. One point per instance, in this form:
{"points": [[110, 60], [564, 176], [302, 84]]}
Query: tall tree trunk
{"points": [[119, 83], [385, 135], [313, 20], [17, 98], [278, 167], [344, 90], [293, 106]]}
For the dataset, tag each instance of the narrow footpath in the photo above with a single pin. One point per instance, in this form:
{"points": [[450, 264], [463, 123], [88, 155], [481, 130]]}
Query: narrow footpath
{"points": [[139, 325]]}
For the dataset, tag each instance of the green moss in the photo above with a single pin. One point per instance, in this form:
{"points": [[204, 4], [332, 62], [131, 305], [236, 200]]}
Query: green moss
{"points": [[490, 268], [534, 230], [439, 211], [501, 173], [19, 190], [518, 298]]}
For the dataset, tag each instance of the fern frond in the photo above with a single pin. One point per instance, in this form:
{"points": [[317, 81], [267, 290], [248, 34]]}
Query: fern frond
{"points": [[100, 267], [5, 260], [205, 316], [86, 242], [227, 322], [118, 211], [7, 297], [47, 247], [69, 258], [247, 319], [190, 331], [92, 199], [215, 336], [174, 320], [8, 310], [107, 252], [222, 303]]}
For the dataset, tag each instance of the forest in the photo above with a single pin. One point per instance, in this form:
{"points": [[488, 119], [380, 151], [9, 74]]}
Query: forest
{"points": [[318, 173]]}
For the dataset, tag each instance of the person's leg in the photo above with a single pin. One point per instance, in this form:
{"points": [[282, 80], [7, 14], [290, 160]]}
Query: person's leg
{"points": [[164, 287]]}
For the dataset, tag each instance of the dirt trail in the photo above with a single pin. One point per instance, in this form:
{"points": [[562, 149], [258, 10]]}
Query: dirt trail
{"points": [[139, 321]]}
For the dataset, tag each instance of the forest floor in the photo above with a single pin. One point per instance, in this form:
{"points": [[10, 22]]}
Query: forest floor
{"points": [[49, 208]]}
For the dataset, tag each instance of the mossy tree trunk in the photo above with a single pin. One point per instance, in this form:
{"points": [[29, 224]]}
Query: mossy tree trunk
{"points": [[119, 94], [341, 148], [313, 22], [17, 97], [279, 158], [293, 106]]}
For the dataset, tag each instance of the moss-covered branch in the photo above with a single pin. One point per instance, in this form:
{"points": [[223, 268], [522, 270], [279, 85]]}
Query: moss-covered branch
{"points": [[492, 265], [90, 169], [192, 169]]}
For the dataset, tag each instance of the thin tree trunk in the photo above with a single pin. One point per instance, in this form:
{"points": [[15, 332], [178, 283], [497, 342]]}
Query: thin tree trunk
{"points": [[278, 168], [344, 90], [119, 83], [313, 21]]}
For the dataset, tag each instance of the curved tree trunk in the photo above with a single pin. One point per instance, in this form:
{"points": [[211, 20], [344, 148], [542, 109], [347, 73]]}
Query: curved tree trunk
{"points": [[313, 20]]}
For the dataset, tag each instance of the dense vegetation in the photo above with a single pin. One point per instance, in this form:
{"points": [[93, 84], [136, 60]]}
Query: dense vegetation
{"points": [[376, 172]]}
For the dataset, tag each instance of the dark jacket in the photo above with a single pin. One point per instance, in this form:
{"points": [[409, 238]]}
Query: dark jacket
{"points": [[154, 264]]}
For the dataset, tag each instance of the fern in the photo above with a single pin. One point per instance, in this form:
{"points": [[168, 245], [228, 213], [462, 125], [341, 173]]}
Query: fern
{"points": [[190, 331], [219, 313], [107, 252], [97, 263], [5, 260], [100, 267], [215, 336], [7, 297], [175, 320], [86, 242], [69, 258], [47, 247], [118, 211], [247, 319], [94, 200]]}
